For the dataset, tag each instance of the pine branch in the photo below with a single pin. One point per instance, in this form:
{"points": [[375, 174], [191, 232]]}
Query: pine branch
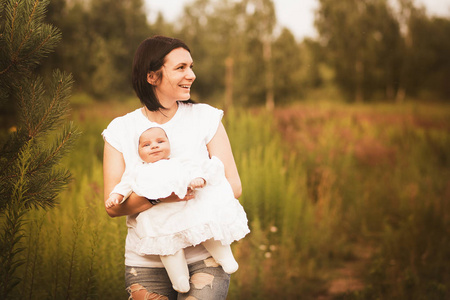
{"points": [[2, 6], [46, 46], [30, 42], [28, 103], [57, 105], [43, 161], [9, 240], [49, 157], [30, 18], [13, 21], [11, 15], [11, 235], [45, 194]]}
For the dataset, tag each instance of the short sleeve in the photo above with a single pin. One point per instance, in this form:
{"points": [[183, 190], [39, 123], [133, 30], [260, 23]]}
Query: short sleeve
{"points": [[214, 117], [112, 134]]}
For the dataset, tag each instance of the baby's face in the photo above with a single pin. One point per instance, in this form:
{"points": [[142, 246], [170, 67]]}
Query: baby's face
{"points": [[154, 145]]}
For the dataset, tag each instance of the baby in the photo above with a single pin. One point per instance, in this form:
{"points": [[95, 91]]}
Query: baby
{"points": [[214, 218]]}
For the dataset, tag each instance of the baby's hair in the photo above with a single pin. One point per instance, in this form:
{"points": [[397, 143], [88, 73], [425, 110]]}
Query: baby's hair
{"points": [[153, 127]]}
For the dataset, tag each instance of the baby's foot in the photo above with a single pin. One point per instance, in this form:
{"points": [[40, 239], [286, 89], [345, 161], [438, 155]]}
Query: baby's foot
{"points": [[229, 266], [182, 285]]}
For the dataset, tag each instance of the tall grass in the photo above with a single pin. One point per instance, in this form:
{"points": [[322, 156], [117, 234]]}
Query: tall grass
{"points": [[320, 183], [388, 168]]}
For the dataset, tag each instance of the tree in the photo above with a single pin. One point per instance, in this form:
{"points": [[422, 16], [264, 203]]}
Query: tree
{"points": [[357, 36], [288, 84], [118, 29], [98, 43], [32, 147], [261, 21], [199, 29], [425, 63]]}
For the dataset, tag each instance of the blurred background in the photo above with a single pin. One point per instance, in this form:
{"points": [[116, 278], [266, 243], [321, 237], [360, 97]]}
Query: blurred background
{"points": [[352, 50], [339, 117]]}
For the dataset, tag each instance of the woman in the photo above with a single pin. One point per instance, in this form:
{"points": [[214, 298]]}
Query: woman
{"points": [[162, 77]]}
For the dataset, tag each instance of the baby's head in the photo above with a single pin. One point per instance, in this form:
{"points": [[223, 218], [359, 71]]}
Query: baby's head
{"points": [[154, 145]]}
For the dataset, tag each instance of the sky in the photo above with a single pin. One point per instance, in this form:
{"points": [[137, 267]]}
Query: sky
{"points": [[296, 15]]}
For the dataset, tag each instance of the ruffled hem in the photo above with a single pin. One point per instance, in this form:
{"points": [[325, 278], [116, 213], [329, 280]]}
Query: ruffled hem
{"points": [[170, 244]]}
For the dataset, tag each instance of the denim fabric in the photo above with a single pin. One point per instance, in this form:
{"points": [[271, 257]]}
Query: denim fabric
{"points": [[208, 282]]}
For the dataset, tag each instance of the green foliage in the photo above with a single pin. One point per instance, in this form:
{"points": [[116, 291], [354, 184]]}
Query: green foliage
{"points": [[98, 43], [32, 148], [362, 40], [288, 72], [379, 52]]}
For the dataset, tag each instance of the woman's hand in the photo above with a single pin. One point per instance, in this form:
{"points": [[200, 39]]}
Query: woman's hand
{"points": [[174, 198]]}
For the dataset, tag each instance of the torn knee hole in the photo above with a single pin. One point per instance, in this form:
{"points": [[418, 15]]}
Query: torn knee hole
{"points": [[211, 262], [136, 287], [200, 280], [137, 291]]}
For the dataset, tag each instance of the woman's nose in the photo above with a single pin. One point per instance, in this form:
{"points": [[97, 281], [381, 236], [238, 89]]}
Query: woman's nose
{"points": [[190, 74]]}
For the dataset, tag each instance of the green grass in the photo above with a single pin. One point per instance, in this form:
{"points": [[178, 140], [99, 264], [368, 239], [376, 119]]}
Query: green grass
{"points": [[319, 181]]}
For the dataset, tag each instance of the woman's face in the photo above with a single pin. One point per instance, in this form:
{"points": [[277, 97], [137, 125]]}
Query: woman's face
{"points": [[154, 145], [177, 77]]}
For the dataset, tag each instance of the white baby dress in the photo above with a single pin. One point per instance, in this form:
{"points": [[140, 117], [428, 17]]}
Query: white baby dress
{"points": [[168, 227]]}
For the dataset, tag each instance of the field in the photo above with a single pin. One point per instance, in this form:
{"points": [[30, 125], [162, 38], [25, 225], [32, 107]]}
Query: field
{"points": [[344, 202]]}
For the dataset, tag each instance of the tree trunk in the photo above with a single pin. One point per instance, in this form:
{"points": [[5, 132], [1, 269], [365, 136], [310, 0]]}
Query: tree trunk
{"points": [[359, 71], [267, 54], [401, 94], [229, 62]]}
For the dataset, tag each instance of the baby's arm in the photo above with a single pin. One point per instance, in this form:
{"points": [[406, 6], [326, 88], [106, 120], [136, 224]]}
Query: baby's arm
{"points": [[113, 200], [120, 192]]}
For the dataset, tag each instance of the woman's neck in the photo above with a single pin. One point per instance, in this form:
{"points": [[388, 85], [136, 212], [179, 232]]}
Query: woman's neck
{"points": [[161, 116]]}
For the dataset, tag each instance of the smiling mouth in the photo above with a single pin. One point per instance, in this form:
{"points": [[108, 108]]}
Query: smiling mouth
{"points": [[186, 87]]}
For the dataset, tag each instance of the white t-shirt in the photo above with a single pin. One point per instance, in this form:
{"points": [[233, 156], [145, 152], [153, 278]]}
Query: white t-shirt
{"points": [[189, 131]]}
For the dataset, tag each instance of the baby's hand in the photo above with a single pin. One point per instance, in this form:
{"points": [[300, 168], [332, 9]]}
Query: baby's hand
{"points": [[197, 183], [113, 200]]}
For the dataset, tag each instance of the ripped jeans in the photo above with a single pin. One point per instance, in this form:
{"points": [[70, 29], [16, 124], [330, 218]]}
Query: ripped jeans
{"points": [[207, 279]]}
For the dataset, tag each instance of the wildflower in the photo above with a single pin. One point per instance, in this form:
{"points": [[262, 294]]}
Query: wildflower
{"points": [[273, 229], [262, 247]]}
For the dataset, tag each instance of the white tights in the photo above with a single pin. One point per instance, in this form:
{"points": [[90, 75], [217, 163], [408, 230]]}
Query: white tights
{"points": [[177, 268]]}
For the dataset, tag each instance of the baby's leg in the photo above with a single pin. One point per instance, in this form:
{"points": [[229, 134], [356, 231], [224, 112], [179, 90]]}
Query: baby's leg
{"points": [[177, 270], [222, 254]]}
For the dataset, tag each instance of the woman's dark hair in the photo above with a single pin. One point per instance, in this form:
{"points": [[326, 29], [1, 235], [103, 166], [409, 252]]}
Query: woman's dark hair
{"points": [[149, 57]]}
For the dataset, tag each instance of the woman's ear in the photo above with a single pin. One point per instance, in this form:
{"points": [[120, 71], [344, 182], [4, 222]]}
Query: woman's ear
{"points": [[152, 78]]}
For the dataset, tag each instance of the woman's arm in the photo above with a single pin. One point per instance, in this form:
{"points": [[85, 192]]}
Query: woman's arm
{"points": [[113, 169], [220, 146]]}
